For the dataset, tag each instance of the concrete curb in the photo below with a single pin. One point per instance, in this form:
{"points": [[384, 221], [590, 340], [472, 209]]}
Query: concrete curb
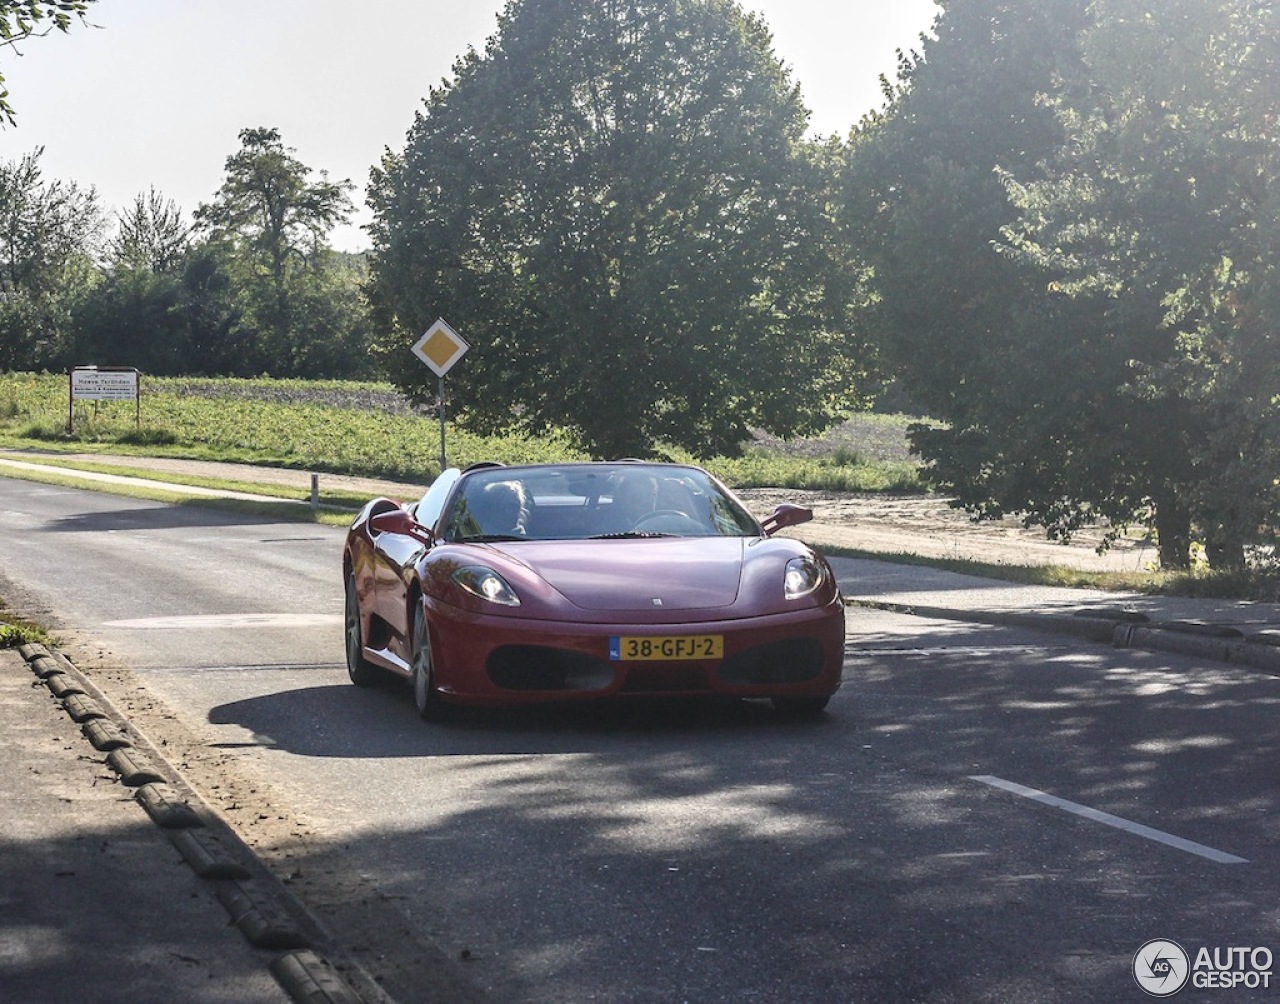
{"points": [[104, 735], [1176, 637], [1099, 629], [1121, 629], [206, 855], [260, 918], [307, 977], [166, 809], [255, 900], [134, 768]]}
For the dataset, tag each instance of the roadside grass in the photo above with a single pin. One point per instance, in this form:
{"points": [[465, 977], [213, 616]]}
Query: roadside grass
{"points": [[364, 429], [15, 631]]}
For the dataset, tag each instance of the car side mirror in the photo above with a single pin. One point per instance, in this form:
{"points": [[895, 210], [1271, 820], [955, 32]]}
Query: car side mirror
{"points": [[784, 516], [401, 522]]}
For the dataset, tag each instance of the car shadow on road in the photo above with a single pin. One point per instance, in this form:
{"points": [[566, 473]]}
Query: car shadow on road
{"points": [[164, 516], [857, 857], [381, 721]]}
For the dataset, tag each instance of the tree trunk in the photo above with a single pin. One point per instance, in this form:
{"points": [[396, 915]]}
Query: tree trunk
{"points": [[1173, 528], [1225, 552]]}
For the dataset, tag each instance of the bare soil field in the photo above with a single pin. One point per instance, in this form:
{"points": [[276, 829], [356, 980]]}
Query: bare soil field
{"points": [[929, 526]]}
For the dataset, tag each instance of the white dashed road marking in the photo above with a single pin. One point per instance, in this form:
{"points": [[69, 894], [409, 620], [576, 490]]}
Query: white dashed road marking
{"points": [[1119, 822]]}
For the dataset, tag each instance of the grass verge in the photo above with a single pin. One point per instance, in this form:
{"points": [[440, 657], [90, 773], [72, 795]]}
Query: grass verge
{"points": [[335, 508], [370, 430], [15, 631]]}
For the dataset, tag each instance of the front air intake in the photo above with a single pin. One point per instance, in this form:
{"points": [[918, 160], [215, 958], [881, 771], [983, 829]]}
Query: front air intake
{"points": [[534, 667], [794, 660]]}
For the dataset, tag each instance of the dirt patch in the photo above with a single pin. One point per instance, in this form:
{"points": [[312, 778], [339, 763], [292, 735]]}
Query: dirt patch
{"points": [[868, 435], [928, 525]]}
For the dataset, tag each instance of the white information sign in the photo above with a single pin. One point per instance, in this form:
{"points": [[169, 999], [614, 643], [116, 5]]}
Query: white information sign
{"points": [[91, 384]]}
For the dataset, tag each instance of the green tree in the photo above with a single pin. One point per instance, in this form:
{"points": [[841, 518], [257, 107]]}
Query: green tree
{"points": [[50, 237], [1164, 205], [1035, 388], [24, 19], [330, 309], [616, 206], [221, 342], [151, 234], [134, 316], [270, 224], [1025, 384]]}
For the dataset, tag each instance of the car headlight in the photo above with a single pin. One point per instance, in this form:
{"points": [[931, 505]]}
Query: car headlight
{"points": [[803, 576], [487, 584]]}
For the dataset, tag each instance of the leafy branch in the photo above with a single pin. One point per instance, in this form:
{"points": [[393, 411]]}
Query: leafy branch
{"points": [[23, 19]]}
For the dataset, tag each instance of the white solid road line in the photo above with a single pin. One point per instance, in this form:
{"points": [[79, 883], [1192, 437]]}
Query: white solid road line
{"points": [[192, 622], [1119, 822], [168, 486]]}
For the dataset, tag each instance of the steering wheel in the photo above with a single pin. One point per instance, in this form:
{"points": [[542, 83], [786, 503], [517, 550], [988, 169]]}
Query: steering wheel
{"points": [[683, 521]]}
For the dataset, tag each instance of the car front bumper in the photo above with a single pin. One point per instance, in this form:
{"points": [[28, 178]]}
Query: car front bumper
{"points": [[491, 659]]}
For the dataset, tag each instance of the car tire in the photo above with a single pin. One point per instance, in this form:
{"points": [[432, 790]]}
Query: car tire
{"points": [[362, 672], [425, 697], [800, 707]]}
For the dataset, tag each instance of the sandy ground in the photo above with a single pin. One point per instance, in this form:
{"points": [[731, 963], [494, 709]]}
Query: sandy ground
{"points": [[928, 525]]}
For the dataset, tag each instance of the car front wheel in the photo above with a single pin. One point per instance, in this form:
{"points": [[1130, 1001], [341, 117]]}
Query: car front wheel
{"points": [[362, 672], [425, 697]]}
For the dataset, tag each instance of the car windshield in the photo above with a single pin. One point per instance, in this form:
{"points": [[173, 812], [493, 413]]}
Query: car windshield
{"points": [[586, 501]]}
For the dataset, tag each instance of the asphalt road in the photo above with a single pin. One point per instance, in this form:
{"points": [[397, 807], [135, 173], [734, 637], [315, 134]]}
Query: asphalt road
{"points": [[984, 814]]}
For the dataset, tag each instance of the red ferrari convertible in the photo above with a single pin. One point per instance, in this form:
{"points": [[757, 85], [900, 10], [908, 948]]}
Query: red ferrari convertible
{"points": [[507, 585]]}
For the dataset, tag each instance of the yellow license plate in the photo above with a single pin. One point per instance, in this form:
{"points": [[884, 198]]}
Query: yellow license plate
{"points": [[666, 648]]}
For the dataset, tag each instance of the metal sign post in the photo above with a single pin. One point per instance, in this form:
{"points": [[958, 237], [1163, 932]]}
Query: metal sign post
{"points": [[440, 347], [444, 456]]}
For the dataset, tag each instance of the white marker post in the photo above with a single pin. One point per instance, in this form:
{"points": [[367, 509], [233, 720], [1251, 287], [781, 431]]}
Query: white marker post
{"points": [[440, 347]]}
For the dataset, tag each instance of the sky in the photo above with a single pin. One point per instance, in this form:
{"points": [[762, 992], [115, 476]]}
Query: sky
{"points": [[156, 93]]}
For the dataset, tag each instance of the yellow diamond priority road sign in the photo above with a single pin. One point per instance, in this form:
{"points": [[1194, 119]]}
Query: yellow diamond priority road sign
{"points": [[440, 347]]}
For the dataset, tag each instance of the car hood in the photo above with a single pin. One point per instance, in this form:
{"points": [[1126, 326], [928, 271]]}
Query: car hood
{"points": [[664, 573]]}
